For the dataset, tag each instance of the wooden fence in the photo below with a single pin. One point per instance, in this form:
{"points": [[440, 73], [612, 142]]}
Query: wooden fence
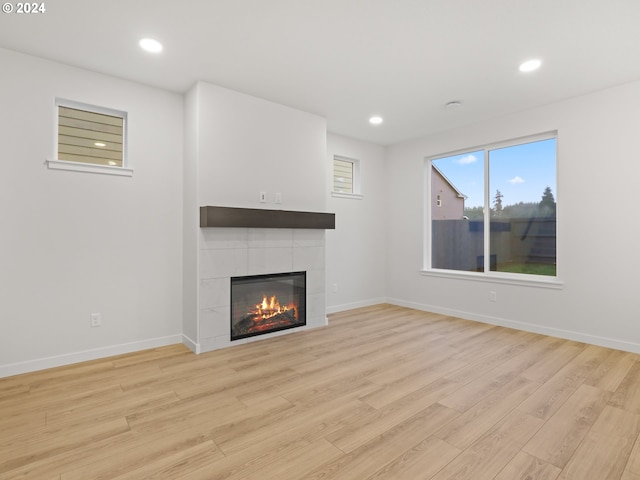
{"points": [[458, 244]]}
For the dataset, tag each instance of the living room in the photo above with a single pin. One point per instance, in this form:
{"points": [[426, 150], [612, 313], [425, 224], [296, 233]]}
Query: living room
{"points": [[118, 262], [126, 247]]}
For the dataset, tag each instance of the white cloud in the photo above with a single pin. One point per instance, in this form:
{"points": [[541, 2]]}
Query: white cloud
{"points": [[467, 160], [515, 180]]}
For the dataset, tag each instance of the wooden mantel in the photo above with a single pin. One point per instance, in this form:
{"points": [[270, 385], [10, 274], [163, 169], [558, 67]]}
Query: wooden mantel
{"points": [[263, 218]]}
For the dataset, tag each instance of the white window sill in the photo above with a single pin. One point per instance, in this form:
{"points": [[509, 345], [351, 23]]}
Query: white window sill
{"points": [[354, 196], [89, 168], [539, 281]]}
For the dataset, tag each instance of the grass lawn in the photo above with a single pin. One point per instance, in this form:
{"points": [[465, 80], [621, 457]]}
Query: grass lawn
{"points": [[529, 268]]}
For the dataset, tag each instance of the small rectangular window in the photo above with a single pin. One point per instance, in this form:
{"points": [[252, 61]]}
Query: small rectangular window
{"points": [[90, 138], [342, 176], [346, 177]]}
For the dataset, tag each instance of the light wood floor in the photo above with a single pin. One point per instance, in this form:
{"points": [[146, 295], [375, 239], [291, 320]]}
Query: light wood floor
{"points": [[382, 393]]}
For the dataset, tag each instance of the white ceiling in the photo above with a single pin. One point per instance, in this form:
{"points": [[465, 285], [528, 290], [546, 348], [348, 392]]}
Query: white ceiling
{"points": [[349, 59]]}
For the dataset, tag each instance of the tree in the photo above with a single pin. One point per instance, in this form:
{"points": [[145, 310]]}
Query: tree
{"points": [[497, 204], [521, 210], [547, 205], [474, 213]]}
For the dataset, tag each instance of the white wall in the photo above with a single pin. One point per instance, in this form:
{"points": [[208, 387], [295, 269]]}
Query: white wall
{"points": [[76, 243], [190, 220], [247, 145], [598, 171], [356, 249]]}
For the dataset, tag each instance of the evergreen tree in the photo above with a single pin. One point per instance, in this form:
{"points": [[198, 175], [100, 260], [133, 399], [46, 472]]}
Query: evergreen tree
{"points": [[547, 205], [521, 210], [497, 204], [474, 213]]}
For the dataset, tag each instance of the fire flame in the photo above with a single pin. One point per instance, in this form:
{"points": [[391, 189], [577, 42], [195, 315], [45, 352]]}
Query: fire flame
{"points": [[270, 307]]}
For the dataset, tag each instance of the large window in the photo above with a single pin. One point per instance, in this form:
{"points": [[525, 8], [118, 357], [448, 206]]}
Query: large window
{"points": [[510, 187]]}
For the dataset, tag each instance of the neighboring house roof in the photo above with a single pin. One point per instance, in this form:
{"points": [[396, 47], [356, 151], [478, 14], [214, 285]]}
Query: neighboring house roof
{"points": [[460, 194]]}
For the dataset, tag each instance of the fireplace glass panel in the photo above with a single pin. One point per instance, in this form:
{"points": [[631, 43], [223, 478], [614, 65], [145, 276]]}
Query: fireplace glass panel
{"points": [[267, 303]]}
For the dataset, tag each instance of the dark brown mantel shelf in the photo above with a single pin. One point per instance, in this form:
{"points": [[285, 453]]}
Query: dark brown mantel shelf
{"points": [[262, 218]]}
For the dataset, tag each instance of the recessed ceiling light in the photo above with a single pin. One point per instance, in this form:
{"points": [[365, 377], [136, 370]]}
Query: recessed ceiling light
{"points": [[530, 65], [151, 45], [375, 120], [453, 105]]}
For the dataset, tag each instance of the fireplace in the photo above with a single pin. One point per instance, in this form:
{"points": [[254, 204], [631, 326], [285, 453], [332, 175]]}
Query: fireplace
{"points": [[267, 303]]}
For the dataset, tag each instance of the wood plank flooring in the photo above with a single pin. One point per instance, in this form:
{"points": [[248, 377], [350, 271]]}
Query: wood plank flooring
{"points": [[383, 392]]}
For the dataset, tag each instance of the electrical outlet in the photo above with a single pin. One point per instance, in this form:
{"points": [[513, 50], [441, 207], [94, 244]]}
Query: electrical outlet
{"points": [[278, 197], [493, 297], [96, 319], [263, 197]]}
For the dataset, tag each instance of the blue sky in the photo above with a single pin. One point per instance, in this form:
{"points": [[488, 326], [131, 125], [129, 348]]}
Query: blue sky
{"points": [[520, 172]]}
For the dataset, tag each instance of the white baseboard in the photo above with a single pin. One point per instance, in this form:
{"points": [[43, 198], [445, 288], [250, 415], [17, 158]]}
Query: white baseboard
{"points": [[86, 355], [527, 327], [190, 344], [359, 304]]}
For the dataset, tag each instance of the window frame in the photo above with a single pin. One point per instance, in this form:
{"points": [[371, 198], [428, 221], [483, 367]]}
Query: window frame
{"points": [[57, 164], [356, 194], [487, 275]]}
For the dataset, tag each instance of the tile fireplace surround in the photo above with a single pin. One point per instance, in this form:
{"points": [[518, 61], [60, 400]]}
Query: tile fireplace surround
{"points": [[226, 252]]}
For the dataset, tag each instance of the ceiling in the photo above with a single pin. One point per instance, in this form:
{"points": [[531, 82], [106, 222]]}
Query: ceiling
{"points": [[347, 60]]}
